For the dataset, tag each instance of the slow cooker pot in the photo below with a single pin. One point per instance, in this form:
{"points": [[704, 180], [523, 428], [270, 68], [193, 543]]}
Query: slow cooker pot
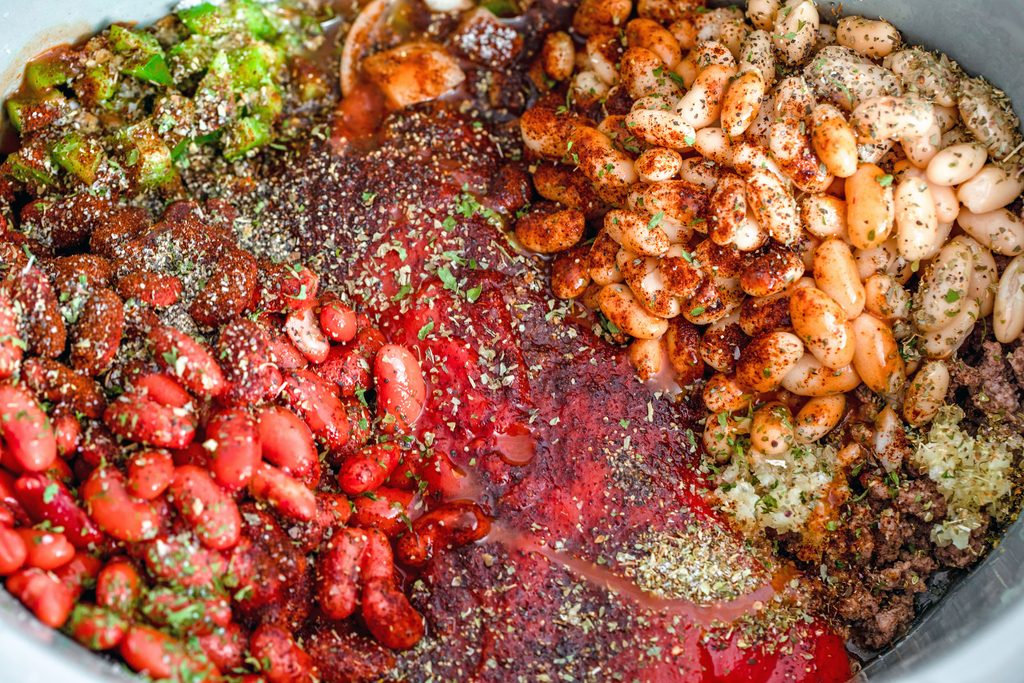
{"points": [[971, 634]]}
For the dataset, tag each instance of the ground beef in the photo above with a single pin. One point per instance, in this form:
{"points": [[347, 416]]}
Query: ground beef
{"points": [[990, 383]]}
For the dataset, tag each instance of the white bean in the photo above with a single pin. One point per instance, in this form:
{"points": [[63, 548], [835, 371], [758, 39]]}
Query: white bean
{"points": [[661, 128], [657, 164], [835, 273], [620, 306], [942, 292], [870, 210], [771, 431], [773, 205], [822, 326], [957, 164], [818, 417], [873, 38], [796, 30], [877, 356], [917, 227], [810, 378], [834, 140], [823, 215], [943, 342], [742, 102], [723, 394], [767, 359], [990, 189], [1008, 312], [999, 230], [879, 119], [886, 298], [635, 232], [926, 393], [702, 103]]}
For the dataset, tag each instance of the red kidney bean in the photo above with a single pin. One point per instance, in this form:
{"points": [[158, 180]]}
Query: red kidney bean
{"points": [[80, 573], [286, 441], [181, 613], [43, 594], [225, 646], [181, 562], [27, 433], [139, 418], [97, 628], [243, 348], [67, 432], [8, 496], [401, 391], [337, 573], [46, 549], [188, 360], [210, 511], [284, 352], [150, 473], [157, 655], [58, 383], [115, 511], [359, 422], [338, 321], [368, 468], [162, 389], [98, 445], [118, 587], [303, 328], [13, 551], [6, 516], [386, 509], [12, 347], [284, 661], [314, 401], [288, 495], [155, 289], [449, 526], [378, 561], [46, 500], [389, 616], [288, 287], [345, 368], [234, 442]]}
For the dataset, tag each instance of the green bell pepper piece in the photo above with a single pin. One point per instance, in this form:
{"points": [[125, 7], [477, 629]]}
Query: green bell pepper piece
{"points": [[249, 66], [253, 17], [145, 57], [24, 166], [205, 19], [191, 55], [78, 155], [244, 135], [43, 74], [147, 155], [34, 113], [97, 85]]}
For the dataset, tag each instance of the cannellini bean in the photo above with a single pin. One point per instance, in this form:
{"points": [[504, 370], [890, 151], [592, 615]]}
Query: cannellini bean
{"points": [[946, 204], [873, 38], [594, 15], [884, 258], [742, 102], [720, 435], [646, 280], [835, 273], [990, 189], [870, 210], [942, 291], [749, 235], [876, 357], [793, 99], [771, 431], [878, 119], [767, 359], [930, 76], [765, 314], [680, 272], [946, 340], [548, 231], [723, 394], [874, 153], [634, 232], [1008, 312], [957, 164], [661, 128], [708, 52], [682, 346], [918, 236], [795, 30], [771, 271], [845, 78], [558, 56], [923, 148], [620, 306], [748, 157], [642, 73], [889, 440], [610, 170], [702, 103], [727, 208], [721, 343], [988, 116], [834, 140], [773, 205], [677, 200], [603, 268], [545, 133], [791, 148], [647, 357], [713, 144], [999, 230], [687, 69], [984, 277], [699, 171], [822, 326], [886, 298], [587, 88], [818, 417], [657, 164], [650, 34], [823, 215], [570, 272], [756, 55], [762, 12], [947, 117], [810, 378], [926, 393], [604, 51]]}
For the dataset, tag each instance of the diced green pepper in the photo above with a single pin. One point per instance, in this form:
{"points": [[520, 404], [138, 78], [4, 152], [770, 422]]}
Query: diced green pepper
{"points": [[78, 155], [190, 56], [265, 102], [30, 165], [502, 8], [244, 135], [146, 155], [249, 66], [205, 19], [144, 56], [124, 41], [43, 74], [35, 113], [153, 69], [97, 85], [254, 18]]}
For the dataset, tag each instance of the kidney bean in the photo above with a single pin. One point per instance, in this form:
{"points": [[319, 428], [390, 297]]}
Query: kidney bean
{"points": [[285, 493], [181, 613], [337, 573], [155, 289], [97, 628], [389, 616], [346, 368], [288, 287], [139, 418], [323, 413], [401, 391], [284, 661], [188, 360], [359, 422], [369, 339], [12, 347], [338, 321], [155, 654], [13, 551], [98, 444], [385, 510], [60, 384], [97, 334], [368, 468], [193, 454], [212, 514], [244, 349], [6, 516], [115, 511], [452, 525], [43, 594], [150, 473], [46, 549], [303, 328], [60, 470], [284, 352], [285, 441], [162, 389], [180, 561], [234, 442], [225, 646], [27, 433], [46, 500], [118, 587], [8, 497], [33, 295], [66, 432]]}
